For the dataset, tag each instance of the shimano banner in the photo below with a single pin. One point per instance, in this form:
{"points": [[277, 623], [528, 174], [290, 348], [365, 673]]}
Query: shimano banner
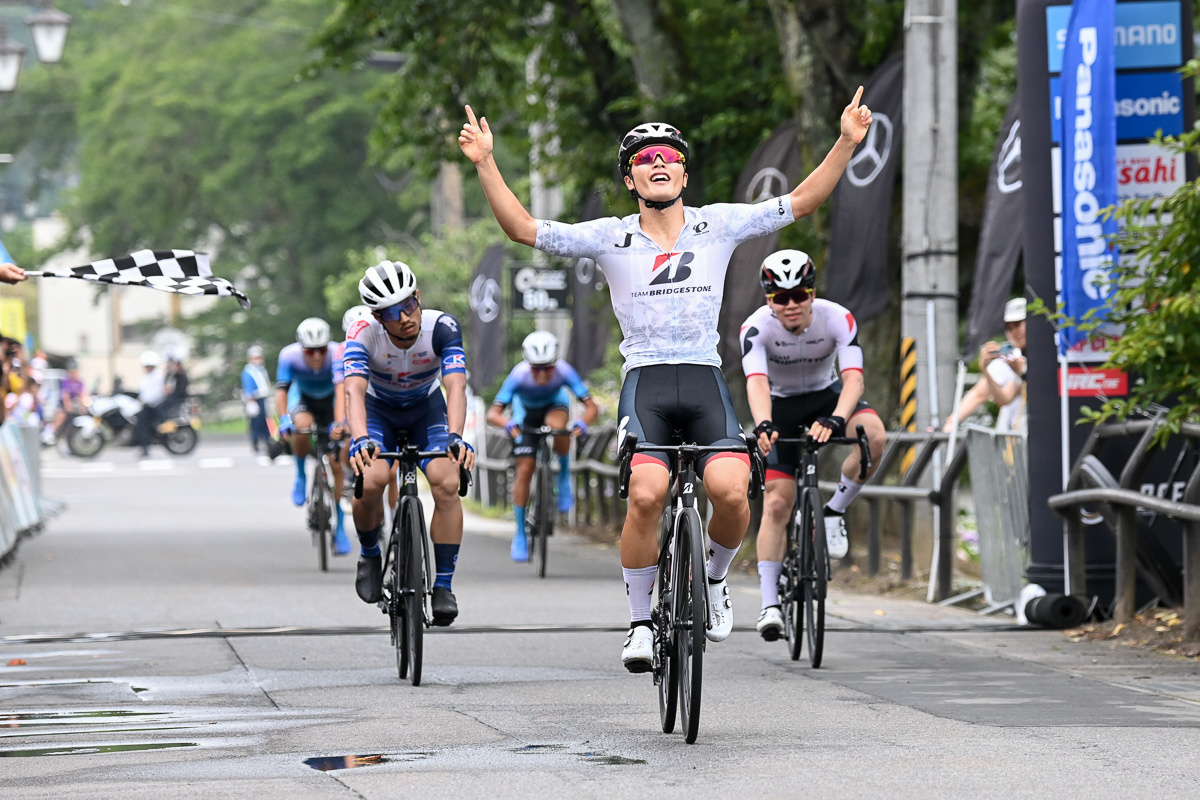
{"points": [[859, 276], [1089, 163], [591, 317], [485, 332], [773, 170], [1000, 238]]}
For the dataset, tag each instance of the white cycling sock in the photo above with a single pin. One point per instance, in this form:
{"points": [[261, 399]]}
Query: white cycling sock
{"points": [[847, 490], [719, 559], [768, 581], [639, 585]]}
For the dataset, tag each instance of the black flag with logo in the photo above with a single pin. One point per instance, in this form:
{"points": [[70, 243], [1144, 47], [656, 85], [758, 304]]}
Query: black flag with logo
{"points": [[485, 333], [591, 318], [773, 169], [1000, 238], [858, 273]]}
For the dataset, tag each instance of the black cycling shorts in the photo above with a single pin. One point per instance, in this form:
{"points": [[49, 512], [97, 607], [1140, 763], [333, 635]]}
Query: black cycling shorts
{"points": [[321, 409], [794, 415], [672, 403]]}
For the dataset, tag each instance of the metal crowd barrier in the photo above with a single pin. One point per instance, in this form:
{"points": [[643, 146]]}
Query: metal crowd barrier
{"points": [[23, 509], [1090, 482], [999, 464]]}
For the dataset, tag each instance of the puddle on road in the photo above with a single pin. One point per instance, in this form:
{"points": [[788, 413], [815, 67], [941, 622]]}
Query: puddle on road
{"points": [[42, 719], [539, 748], [330, 763], [610, 761], [92, 749]]}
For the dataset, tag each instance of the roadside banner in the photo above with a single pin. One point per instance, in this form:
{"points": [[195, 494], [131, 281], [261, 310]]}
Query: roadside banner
{"points": [[485, 330], [859, 276], [1089, 163], [1000, 238], [591, 315], [773, 170]]}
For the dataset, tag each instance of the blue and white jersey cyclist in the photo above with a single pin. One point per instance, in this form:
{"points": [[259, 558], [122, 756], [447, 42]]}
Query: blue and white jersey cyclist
{"points": [[665, 267], [396, 365], [789, 347], [537, 391], [304, 399]]}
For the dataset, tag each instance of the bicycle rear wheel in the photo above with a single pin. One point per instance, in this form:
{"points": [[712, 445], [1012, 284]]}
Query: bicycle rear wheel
{"points": [[791, 592], [393, 577], [664, 636], [414, 585], [817, 572], [544, 518], [691, 612]]}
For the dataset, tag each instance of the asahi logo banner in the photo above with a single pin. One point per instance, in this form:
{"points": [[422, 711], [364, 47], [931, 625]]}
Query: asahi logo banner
{"points": [[859, 275], [485, 329], [1000, 238], [773, 170]]}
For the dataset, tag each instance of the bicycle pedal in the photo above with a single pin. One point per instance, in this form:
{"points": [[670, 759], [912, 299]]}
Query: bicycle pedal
{"points": [[770, 635]]}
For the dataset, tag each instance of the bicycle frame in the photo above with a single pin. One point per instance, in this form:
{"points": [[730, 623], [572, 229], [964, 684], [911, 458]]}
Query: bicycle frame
{"points": [[540, 515]]}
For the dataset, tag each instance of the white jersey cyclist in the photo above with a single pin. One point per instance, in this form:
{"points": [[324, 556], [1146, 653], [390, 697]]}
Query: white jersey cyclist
{"points": [[667, 303], [803, 362], [405, 378]]}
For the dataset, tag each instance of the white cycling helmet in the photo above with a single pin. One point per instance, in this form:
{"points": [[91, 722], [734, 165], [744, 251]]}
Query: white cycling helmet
{"points": [[386, 284], [787, 269], [355, 314], [540, 347], [645, 135], [150, 358], [313, 332]]}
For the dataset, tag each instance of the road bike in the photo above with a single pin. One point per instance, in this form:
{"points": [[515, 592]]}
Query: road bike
{"points": [[320, 507], [681, 613], [407, 572], [804, 582], [542, 508]]}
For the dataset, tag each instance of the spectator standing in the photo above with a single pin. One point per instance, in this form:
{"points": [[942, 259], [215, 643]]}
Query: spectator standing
{"points": [[1003, 380], [256, 387]]}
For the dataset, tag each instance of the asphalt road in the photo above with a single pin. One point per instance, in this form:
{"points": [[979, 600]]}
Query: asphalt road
{"points": [[912, 701]]}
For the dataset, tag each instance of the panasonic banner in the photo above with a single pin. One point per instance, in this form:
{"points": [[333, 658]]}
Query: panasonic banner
{"points": [[1096, 80]]}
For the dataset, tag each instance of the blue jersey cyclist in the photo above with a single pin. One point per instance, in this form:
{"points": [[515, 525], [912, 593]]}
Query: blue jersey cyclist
{"points": [[304, 399], [665, 268], [395, 367], [537, 391]]}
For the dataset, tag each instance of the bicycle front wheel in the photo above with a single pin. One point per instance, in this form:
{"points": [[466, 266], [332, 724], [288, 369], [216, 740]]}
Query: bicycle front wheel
{"points": [[791, 591], [817, 571], [664, 635], [320, 513], [544, 519], [691, 613], [414, 584]]}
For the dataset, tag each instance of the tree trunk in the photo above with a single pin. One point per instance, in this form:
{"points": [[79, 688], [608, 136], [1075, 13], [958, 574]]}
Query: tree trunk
{"points": [[657, 59]]}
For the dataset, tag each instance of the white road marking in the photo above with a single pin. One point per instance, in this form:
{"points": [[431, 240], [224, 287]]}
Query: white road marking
{"points": [[99, 466], [157, 464], [214, 463]]}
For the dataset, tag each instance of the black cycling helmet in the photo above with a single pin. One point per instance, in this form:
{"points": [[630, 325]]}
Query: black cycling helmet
{"points": [[645, 135], [787, 269]]}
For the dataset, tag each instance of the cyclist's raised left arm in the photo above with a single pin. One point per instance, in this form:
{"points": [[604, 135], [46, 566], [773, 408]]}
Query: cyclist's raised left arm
{"points": [[816, 188]]}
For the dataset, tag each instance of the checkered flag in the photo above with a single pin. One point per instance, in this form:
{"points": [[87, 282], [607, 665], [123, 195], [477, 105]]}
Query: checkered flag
{"points": [[178, 271]]}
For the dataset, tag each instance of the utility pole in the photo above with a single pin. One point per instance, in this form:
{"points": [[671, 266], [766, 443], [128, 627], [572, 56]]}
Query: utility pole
{"points": [[929, 311]]}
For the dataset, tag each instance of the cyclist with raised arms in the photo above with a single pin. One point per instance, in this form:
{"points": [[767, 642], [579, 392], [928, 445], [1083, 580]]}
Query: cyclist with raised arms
{"points": [[396, 365], [665, 268], [304, 399], [788, 351], [537, 391]]}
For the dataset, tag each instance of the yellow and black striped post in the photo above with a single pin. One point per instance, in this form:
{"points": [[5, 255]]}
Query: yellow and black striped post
{"points": [[908, 396]]}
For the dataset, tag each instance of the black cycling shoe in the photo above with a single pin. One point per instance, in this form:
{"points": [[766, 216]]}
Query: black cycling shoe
{"points": [[445, 607], [369, 581]]}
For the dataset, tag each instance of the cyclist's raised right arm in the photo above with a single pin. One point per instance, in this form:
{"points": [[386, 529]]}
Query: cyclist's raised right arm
{"points": [[477, 143]]}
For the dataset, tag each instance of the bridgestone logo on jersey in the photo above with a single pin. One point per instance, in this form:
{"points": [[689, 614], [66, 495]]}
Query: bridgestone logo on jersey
{"points": [[672, 290]]}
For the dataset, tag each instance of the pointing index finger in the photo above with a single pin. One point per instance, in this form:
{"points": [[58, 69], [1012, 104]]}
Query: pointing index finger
{"points": [[857, 97], [471, 117]]}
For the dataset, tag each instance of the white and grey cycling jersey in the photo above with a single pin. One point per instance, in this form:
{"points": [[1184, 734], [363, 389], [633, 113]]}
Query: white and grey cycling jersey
{"points": [[667, 303], [799, 363]]}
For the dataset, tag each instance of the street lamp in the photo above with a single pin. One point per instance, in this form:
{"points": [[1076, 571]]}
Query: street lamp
{"points": [[49, 28]]}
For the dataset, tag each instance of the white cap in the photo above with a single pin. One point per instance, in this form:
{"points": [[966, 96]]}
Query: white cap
{"points": [[254, 351], [1014, 310]]}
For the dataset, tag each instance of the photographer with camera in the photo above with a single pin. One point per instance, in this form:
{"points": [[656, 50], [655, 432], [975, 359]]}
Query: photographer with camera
{"points": [[1003, 380]]}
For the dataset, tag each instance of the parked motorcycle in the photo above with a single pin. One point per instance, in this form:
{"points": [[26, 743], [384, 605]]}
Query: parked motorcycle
{"points": [[114, 419]]}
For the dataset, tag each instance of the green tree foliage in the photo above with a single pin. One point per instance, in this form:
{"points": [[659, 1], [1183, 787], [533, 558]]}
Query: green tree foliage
{"points": [[189, 127]]}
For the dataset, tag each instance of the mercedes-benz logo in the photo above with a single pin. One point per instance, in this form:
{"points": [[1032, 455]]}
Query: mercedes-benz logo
{"points": [[874, 152], [1008, 164], [768, 182], [485, 298]]}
